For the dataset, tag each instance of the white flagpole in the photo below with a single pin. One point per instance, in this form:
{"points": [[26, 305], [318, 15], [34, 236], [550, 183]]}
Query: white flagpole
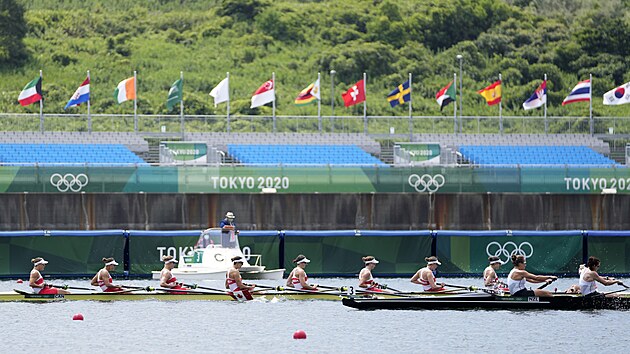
{"points": [[545, 110], [365, 122], [501, 108], [135, 101], [590, 105], [273, 113], [227, 75], [181, 104], [410, 111], [41, 106], [319, 102], [88, 103], [455, 104]]}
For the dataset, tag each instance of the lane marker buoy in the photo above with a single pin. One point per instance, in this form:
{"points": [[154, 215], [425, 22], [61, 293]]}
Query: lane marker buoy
{"points": [[299, 334]]}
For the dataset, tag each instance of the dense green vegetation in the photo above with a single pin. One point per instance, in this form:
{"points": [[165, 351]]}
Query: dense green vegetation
{"points": [[522, 39]]}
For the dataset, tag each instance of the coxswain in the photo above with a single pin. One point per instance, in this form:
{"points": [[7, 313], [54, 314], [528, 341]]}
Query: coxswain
{"points": [[589, 276], [426, 276], [167, 280], [103, 279], [234, 282], [366, 280], [36, 281], [297, 278], [518, 276], [490, 279]]}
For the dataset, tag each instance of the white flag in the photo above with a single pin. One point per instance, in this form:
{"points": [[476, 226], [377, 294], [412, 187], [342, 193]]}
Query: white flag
{"points": [[221, 92], [264, 94], [619, 95]]}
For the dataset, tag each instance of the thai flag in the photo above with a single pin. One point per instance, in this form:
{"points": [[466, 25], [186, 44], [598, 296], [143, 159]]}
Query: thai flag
{"points": [[581, 92], [82, 94], [538, 98]]}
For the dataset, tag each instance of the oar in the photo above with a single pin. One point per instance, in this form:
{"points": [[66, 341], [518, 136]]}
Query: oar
{"points": [[340, 288], [145, 288], [470, 288], [281, 288], [546, 283], [195, 286], [190, 291], [625, 287], [361, 291], [65, 287], [385, 286]]}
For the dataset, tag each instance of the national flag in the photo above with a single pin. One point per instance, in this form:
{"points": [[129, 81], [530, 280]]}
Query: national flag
{"points": [[32, 92], [580, 93], [126, 90], [538, 98], [175, 94], [400, 94], [354, 95], [492, 93], [446, 95], [308, 95], [81, 95], [221, 92], [266, 93], [619, 95]]}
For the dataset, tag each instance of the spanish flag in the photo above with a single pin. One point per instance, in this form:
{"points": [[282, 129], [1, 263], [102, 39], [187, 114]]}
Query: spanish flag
{"points": [[492, 93]]}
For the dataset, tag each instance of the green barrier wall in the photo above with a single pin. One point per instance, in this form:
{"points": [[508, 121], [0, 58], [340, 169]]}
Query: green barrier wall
{"points": [[612, 248], [341, 254], [462, 254], [268, 246], [69, 252]]}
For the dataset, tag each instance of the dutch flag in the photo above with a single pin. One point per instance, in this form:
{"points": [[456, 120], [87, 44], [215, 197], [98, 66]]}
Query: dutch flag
{"points": [[581, 92], [82, 94]]}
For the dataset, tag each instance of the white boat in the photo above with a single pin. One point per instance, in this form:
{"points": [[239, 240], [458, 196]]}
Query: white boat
{"points": [[211, 258]]}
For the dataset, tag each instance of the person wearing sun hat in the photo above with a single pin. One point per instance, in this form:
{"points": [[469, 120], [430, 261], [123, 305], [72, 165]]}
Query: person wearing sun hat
{"points": [[426, 277], [167, 280], [298, 279], [490, 279], [36, 281], [103, 279], [366, 280], [234, 281]]}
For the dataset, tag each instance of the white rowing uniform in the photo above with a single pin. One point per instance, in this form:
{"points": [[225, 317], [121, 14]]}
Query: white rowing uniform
{"points": [[587, 287], [232, 283], [296, 281], [39, 281], [515, 285]]}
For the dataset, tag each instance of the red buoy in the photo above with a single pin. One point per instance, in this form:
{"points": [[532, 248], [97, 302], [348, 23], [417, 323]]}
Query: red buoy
{"points": [[20, 281], [299, 334], [77, 317]]}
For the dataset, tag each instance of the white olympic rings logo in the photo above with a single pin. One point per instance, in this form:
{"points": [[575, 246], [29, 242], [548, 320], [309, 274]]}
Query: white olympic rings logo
{"points": [[69, 181], [508, 249], [426, 182]]}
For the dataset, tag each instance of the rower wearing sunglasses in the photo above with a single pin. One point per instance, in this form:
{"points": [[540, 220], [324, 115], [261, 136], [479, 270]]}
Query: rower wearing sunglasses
{"points": [[589, 277], [518, 276]]}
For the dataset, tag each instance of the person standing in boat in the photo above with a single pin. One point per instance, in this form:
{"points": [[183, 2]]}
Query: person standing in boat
{"points": [[426, 276], [589, 276], [167, 280], [36, 280], [297, 278], [228, 229], [234, 281], [490, 278], [103, 279], [518, 276], [366, 280]]}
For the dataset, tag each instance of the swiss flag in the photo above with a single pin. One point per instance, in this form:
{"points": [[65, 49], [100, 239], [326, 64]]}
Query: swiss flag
{"points": [[355, 95]]}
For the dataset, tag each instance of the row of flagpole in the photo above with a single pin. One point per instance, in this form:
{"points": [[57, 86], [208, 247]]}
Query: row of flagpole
{"points": [[127, 90]]}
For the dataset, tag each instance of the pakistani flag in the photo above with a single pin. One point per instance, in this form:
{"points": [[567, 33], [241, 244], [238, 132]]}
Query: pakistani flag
{"points": [[446, 95], [175, 94]]}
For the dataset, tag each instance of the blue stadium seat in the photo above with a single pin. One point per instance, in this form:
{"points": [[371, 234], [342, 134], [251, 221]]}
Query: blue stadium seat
{"points": [[116, 154], [303, 155], [534, 155]]}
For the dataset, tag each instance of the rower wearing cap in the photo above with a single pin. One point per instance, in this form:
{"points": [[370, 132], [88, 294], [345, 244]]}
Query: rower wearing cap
{"points": [[490, 278], [518, 276], [589, 276], [297, 278], [426, 277], [167, 280], [103, 279], [36, 281], [366, 280], [234, 281]]}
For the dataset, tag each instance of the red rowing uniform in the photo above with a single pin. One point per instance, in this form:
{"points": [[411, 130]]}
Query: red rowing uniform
{"points": [[235, 291], [45, 290], [426, 286], [371, 285], [177, 286], [104, 287]]}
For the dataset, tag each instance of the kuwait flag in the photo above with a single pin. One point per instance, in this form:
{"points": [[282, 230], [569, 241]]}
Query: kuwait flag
{"points": [[619, 95], [446, 95], [126, 90], [32, 92], [308, 95], [82, 94], [266, 93]]}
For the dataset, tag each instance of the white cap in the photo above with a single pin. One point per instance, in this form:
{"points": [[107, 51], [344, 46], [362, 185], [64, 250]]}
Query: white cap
{"points": [[372, 261], [229, 215], [239, 260], [304, 260], [434, 262], [41, 261], [171, 261], [113, 262]]}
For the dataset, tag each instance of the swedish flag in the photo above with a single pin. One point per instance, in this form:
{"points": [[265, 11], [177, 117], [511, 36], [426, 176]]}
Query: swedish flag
{"points": [[400, 95]]}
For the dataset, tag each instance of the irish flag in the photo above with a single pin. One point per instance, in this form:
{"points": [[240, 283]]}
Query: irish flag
{"points": [[126, 90], [32, 92]]}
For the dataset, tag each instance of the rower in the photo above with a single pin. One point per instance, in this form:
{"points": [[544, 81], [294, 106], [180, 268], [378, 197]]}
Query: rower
{"points": [[366, 281], [36, 281], [490, 278], [298, 279], [589, 276], [167, 280], [234, 282], [518, 276], [103, 279], [426, 276]]}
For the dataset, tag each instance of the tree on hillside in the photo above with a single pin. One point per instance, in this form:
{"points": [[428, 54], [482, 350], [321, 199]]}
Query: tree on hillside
{"points": [[12, 31]]}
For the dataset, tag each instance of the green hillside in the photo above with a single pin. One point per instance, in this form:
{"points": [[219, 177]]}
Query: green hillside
{"points": [[521, 39]]}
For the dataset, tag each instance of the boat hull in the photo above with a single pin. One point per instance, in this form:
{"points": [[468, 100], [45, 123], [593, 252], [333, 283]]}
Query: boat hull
{"points": [[199, 275]]}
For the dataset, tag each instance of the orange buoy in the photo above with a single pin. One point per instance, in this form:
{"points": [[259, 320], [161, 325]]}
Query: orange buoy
{"points": [[299, 334], [77, 317], [20, 281]]}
